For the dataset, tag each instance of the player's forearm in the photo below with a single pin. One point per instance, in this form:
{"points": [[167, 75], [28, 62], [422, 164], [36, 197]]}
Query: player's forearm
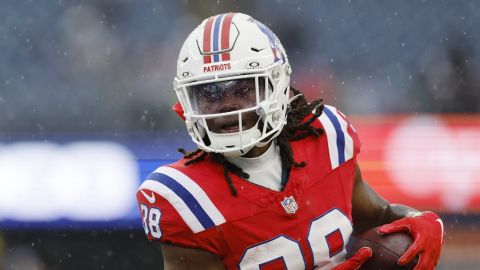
{"points": [[397, 211]]}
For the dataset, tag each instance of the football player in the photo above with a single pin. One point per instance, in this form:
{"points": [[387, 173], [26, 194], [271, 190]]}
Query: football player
{"points": [[274, 183]]}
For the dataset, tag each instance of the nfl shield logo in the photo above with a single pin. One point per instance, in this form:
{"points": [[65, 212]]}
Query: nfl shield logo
{"points": [[290, 205]]}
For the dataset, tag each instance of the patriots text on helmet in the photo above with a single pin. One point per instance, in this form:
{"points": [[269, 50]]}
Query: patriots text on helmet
{"points": [[218, 67]]}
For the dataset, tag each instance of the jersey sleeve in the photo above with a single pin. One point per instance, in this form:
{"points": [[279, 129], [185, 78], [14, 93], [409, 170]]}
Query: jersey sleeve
{"points": [[343, 141], [174, 209]]}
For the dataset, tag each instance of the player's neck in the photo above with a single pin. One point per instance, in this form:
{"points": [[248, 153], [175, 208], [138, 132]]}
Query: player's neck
{"points": [[257, 151]]}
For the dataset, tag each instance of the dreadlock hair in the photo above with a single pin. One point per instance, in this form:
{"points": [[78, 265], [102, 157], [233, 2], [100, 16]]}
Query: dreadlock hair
{"points": [[297, 128]]}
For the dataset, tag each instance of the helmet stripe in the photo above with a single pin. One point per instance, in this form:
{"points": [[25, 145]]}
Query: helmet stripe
{"points": [[216, 31], [226, 36], [207, 33]]}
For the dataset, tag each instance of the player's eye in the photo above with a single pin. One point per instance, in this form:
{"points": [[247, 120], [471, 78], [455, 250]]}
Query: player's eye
{"points": [[244, 88], [242, 92], [210, 93]]}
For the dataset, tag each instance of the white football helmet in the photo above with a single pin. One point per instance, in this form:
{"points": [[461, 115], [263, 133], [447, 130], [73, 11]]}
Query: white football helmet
{"points": [[223, 54]]}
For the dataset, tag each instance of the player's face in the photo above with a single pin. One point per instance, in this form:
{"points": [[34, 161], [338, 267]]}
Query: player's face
{"points": [[226, 96]]}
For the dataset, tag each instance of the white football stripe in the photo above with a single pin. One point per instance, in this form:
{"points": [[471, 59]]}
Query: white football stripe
{"points": [[197, 192], [331, 139], [348, 139], [442, 229], [212, 38], [177, 203], [219, 39]]}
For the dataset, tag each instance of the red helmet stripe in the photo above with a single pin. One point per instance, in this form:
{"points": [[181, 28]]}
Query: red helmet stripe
{"points": [[207, 35], [226, 36]]}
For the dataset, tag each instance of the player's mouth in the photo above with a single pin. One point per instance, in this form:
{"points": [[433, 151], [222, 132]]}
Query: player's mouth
{"points": [[230, 128], [230, 124]]}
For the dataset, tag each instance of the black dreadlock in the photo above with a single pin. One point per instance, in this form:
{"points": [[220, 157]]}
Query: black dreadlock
{"points": [[296, 129]]}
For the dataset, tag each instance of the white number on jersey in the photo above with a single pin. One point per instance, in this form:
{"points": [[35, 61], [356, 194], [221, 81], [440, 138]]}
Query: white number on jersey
{"points": [[151, 220], [327, 238]]}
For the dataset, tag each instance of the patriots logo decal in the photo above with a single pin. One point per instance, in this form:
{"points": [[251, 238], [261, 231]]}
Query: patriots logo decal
{"points": [[272, 38]]}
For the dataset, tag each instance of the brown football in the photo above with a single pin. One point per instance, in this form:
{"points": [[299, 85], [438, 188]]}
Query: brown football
{"points": [[387, 249]]}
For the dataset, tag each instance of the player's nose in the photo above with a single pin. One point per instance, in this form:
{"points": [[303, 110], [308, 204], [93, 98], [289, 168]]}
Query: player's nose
{"points": [[229, 104]]}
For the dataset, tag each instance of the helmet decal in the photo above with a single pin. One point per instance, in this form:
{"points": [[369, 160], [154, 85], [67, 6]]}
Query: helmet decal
{"points": [[207, 40], [227, 22], [217, 35], [272, 38]]}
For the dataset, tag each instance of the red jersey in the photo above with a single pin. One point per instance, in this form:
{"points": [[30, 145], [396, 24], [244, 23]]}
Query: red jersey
{"points": [[305, 226]]}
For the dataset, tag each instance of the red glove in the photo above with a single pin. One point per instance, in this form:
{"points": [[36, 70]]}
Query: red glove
{"points": [[177, 108], [427, 232], [360, 257]]}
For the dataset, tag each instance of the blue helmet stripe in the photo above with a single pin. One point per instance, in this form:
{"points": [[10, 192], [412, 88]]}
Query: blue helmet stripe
{"points": [[216, 41]]}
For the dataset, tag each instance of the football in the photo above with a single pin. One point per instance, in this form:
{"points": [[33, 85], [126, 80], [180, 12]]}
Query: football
{"points": [[387, 249]]}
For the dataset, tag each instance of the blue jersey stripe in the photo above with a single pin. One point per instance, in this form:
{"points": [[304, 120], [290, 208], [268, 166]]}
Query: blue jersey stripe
{"points": [[340, 134], [186, 196], [216, 29]]}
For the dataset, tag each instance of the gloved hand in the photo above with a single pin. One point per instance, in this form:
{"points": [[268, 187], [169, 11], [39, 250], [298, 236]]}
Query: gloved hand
{"points": [[356, 261], [426, 229]]}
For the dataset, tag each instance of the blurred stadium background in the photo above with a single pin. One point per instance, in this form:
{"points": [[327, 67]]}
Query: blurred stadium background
{"points": [[85, 98]]}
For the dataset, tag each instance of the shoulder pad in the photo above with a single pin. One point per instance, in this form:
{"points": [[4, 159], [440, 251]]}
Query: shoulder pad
{"points": [[187, 198], [343, 141]]}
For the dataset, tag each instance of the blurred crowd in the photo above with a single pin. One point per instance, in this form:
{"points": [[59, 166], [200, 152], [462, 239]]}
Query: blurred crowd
{"points": [[108, 65]]}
